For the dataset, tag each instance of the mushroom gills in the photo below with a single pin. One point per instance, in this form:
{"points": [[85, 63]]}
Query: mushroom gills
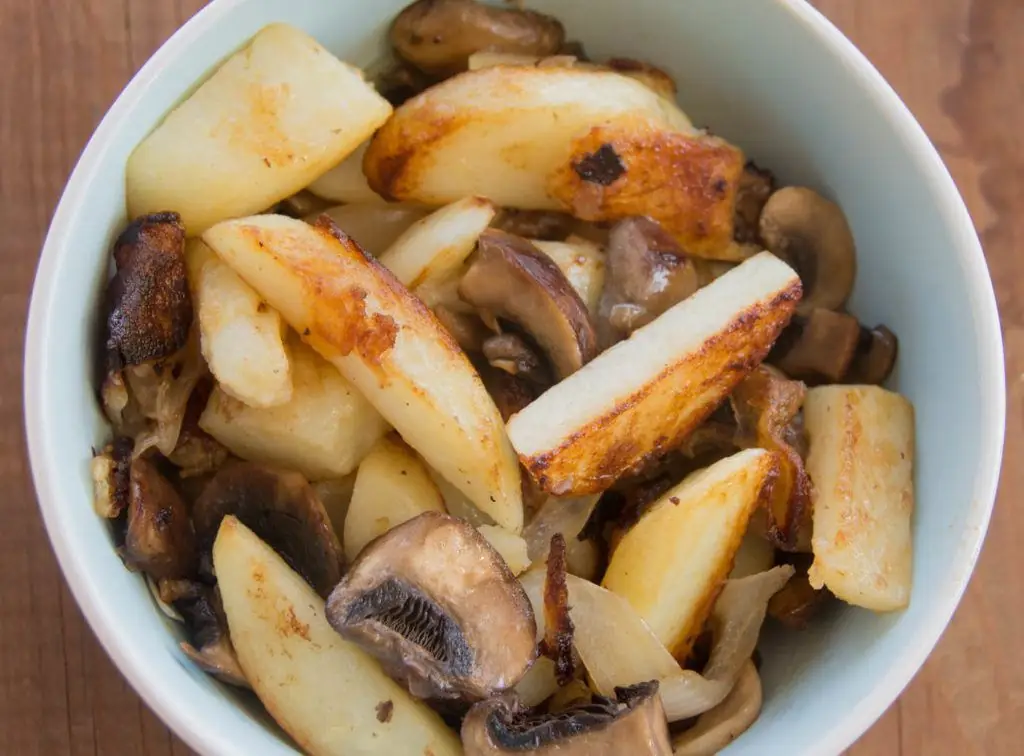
{"points": [[159, 540], [209, 645]]}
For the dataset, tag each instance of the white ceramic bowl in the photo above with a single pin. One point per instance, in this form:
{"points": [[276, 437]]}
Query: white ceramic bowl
{"points": [[773, 76]]}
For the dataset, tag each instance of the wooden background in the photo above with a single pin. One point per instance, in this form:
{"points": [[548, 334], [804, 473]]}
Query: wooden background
{"points": [[959, 64]]}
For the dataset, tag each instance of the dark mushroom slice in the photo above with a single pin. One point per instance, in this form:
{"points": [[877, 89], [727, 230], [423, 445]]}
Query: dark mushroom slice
{"points": [[631, 723], [647, 273], [437, 606], [466, 328], [438, 36], [149, 311], [812, 235], [818, 347], [402, 81], [797, 603], [510, 393], [282, 509], [545, 225], [557, 643], [513, 280], [875, 357], [111, 471], [159, 539], [756, 186], [510, 353], [300, 205], [209, 644]]}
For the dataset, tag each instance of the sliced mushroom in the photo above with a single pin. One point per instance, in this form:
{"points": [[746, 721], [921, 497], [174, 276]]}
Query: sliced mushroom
{"points": [[466, 328], [301, 205], [818, 347], [797, 603], [874, 358], [159, 539], [756, 186], [647, 273], [401, 82], [813, 236], [512, 279], [545, 225], [282, 509], [510, 353], [631, 723], [111, 469], [439, 608], [197, 452], [510, 393], [149, 307], [716, 729], [209, 645], [438, 36]]}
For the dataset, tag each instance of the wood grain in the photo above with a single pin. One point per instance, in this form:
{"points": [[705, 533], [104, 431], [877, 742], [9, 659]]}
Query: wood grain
{"points": [[959, 64]]}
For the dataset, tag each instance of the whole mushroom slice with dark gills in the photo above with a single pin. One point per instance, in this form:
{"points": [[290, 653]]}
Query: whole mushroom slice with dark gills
{"points": [[647, 273], [632, 723], [282, 509], [812, 234], [511, 279], [159, 538], [438, 607], [148, 305]]}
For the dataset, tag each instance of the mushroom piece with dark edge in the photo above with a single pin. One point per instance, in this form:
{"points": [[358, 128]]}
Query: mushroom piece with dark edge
{"points": [[812, 234], [159, 539], [756, 186], [281, 508], [437, 606], [512, 279], [438, 36], [874, 358], [510, 353], [647, 273], [631, 723], [545, 225], [818, 347]]}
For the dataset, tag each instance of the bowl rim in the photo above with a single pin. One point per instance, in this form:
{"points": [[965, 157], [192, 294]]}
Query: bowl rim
{"points": [[182, 718]]}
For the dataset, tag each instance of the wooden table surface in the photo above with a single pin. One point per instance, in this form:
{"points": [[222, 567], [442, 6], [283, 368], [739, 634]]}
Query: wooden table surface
{"points": [[959, 64]]}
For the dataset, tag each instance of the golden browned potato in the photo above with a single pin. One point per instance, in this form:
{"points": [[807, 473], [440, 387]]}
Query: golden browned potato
{"points": [[671, 564], [384, 340], [643, 396], [272, 118], [322, 690], [323, 431], [861, 462]]}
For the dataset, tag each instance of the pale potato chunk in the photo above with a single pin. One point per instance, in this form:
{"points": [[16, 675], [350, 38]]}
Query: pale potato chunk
{"points": [[646, 394], [512, 547], [375, 227], [324, 691], [430, 254], [242, 338], [671, 564], [861, 462], [274, 116], [323, 432], [355, 313], [582, 262], [392, 486], [346, 181]]}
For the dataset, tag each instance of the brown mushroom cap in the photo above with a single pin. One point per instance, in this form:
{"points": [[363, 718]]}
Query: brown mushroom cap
{"points": [[818, 347], [512, 279], [439, 608], [159, 539], [875, 357], [631, 723], [647, 273], [282, 509], [812, 234], [438, 36]]}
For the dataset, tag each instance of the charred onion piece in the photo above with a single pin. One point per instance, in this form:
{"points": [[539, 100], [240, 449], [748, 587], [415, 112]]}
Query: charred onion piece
{"points": [[647, 273], [512, 279], [149, 306], [110, 478], [765, 404], [557, 642], [439, 609], [631, 723], [438, 36], [510, 353], [812, 234], [159, 539], [282, 509], [818, 347], [875, 357]]}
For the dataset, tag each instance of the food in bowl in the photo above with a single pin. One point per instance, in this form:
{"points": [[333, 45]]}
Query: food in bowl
{"points": [[493, 415]]}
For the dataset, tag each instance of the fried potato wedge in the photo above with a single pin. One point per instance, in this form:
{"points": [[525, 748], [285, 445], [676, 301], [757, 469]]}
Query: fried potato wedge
{"points": [[643, 396], [324, 431], [861, 462], [392, 486], [346, 182], [274, 116], [375, 227], [671, 564], [242, 339], [323, 691], [384, 340], [582, 262], [430, 254], [501, 132]]}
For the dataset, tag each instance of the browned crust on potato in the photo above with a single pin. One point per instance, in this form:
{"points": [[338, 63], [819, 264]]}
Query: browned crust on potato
{"points": [[398, 150], [685, 182], [662, 413], [149, 307]]}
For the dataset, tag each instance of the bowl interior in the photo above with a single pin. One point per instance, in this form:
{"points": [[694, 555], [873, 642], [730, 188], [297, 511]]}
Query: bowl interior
{"points": [[771, 76]]}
